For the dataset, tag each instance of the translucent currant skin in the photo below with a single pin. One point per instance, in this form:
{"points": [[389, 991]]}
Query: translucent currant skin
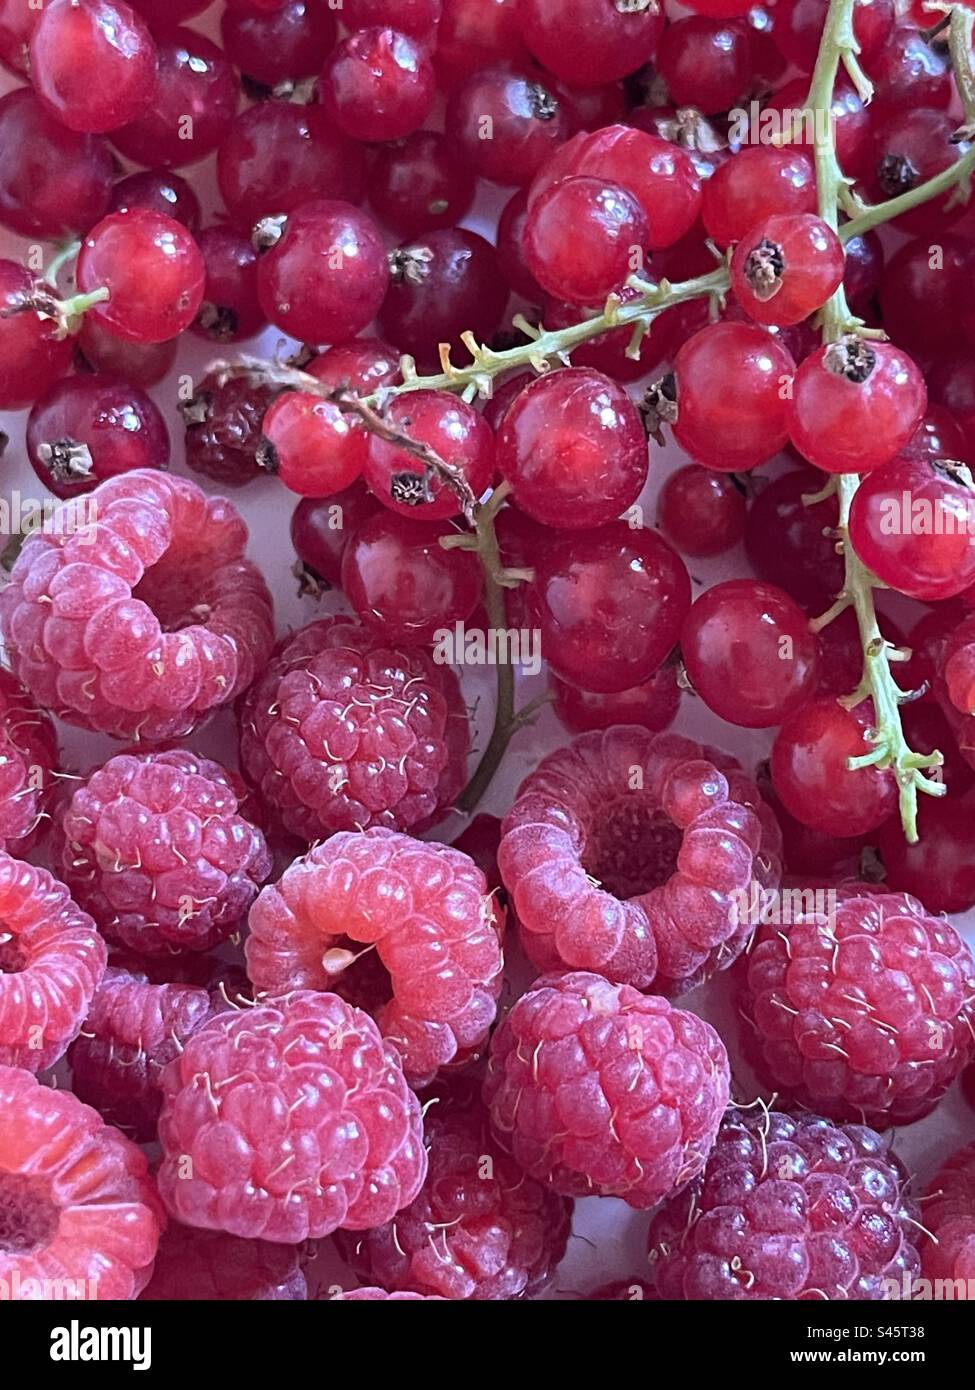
{"points": [[591, 108], [587, 45], [923, 295], [321, 526], [311, 444], [863, 269], [88, 428], [786, 267], [855, 404], [193, 104], [810, 773], [510, 241], [527, 123], [609, 236], [474, 34], [749, 653], [285, 44], [732, 388], [720, 9], [231, 309], [799, 28], [93, 63], [940, 865], [793, 544], [707, 63], [160, 191], [327, 276], [759, 181], [913, 523], [399, 578], [378, 84], [852, 127], [938, 436], [606, 352], [420, 184], [280, 154], [54, 182], [18, 20], [952, 383], [361, 365], [416, 17], [609, 604], [908, 71], [841, 653], [652, 705], [164, 13], [442, 285], [909, 147], [701, 512], [32, 357], [153, 270], [142, 364], [574, 450], [455, 432]]}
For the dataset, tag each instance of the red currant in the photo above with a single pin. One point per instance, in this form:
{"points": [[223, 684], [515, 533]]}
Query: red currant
{"points": [[793, 544], [811, 776], [652, 705], [378, 85], [940, 865], [420, 183], [32, 356], [799, 27], [701, 512], [474, 34], [416, 17], [786, 267], [89, 428], [54, 183], [608, 352], [142, 364], [706, 63], [510, 240], [285, 44], [591, 108], [849, 122], [456, 434], [924, 292], [231, 309], [505, 124], [908, 71], [160, 191], [311, 445], [841, 652], [910, 147], [321, 526], [863, 270], [609, 234], [938, 436], [720, 9], [92, 63], [952, 383], [18, 20], [153, 270], [593, 43], [361, 365]]}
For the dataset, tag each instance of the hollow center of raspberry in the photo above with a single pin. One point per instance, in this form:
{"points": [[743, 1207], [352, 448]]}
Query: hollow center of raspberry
{"points": [[28, 1217], [171, 588], [13, 957], [632, 848], [357, 974]]}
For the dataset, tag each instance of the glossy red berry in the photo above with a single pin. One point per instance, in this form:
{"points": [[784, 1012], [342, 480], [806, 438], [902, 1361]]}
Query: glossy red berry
{"points": [[592, 43], [505, 124], [93, 63], [54, 182], [379, 84], [792, 543], [142, 364], [473, 34], [908, 71], [32, 356], [420, 183], [320, 528], [18, 20], [607, 243], [799, 27], [361, 365], [851, 124], [758, 182], [811, 776], [231, 309], [938, 436], [910, 147], [701, 512], [454, 431], [311, 444], [652, 705], [159, 190], [863, 270], [707, 63], [786, 267], [416, 17], [88, 428], [284, 44], [939, 868], [153, 270], [326, 277], [608, 352], [732, 385], [925, 292], [855, 403]]}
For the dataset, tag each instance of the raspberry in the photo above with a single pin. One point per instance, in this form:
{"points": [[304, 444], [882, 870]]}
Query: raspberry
{"points": [[958, 666], [287, 1120], [427, 911], [132, 1030], [144, 620], [788, 1207], [28, 759], [599, 1090], [625, 853], [223, 428], [948, 1250], [210, 1266], [344, 731], [51, 962], [76, 1199], [624, 1291], [368, 1295], [479, 1229], [154, 846], [861, 1013]]}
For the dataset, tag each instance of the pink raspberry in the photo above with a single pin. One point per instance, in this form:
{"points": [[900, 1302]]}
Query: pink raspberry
{"points": [[368, 1295], [863, 1012], [76, 1199], [426, 910], [628, 853], [155, 847], [132, 1030], [344, 731], [287, 1120], [28, 759], [480, 1228], [788, 1207], [624, 1291], [948, 1251], [212, 1267], [599, 1090], [144, 620], [51, 962]]}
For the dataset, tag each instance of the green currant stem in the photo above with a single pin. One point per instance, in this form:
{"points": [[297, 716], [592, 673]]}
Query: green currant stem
{"points": [[65, 256], [960, 31]]}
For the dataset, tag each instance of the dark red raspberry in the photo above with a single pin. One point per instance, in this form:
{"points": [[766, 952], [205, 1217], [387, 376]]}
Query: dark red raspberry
{"points": [[28, 759], [212, 1267], [51, 962], [479, 1229], [788, 1207], [76, 1200], [426, 909], [629, 853], [862, 1009], [599, 1090], [223, 428], [144, 620], [344, 731], [287, 1120], [132, 1030], [948, 1249], [155, 847]]}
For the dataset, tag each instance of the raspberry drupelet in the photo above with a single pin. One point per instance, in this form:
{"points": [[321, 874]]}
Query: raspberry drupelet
{"points": [[948, 1249], [373, 1295], [76, 1199], [51, 962], [598, 1090], [212, 1267], [158, 848], [287, 1120], [145, 619], [345, 731], [628, 852], [427, 911], [28, 760], [788, 1207], [479, 1229], [863, 1012]]}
